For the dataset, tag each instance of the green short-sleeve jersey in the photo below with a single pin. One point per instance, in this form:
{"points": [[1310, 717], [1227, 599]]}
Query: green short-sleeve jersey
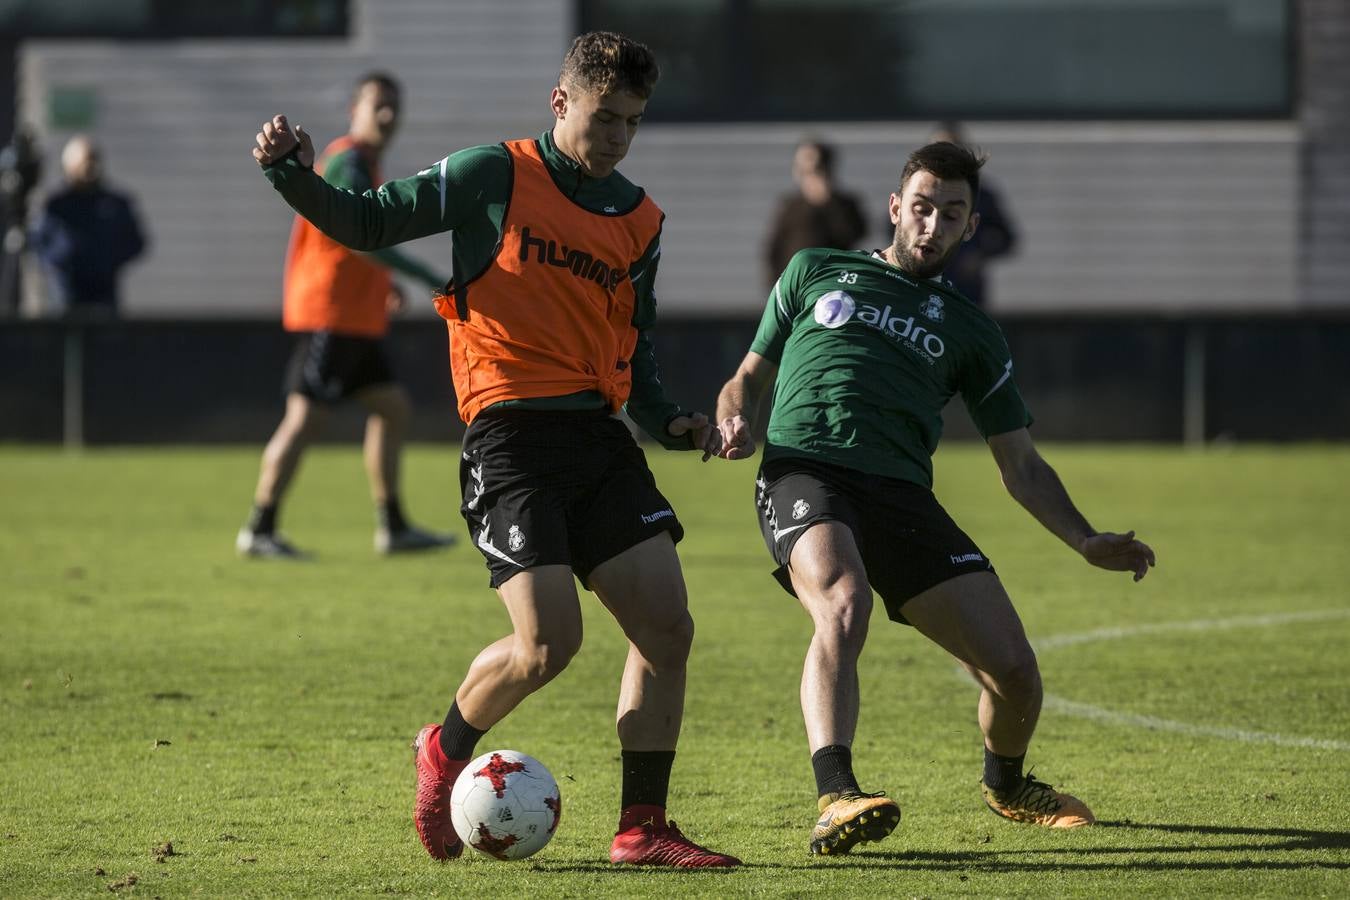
{"points": [[868, 358]]}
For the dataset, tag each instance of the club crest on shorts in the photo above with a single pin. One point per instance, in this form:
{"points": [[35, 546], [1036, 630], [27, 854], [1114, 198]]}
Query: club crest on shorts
{"points": [[932, 308], [514, 539], [800, 509], [834, 309]]}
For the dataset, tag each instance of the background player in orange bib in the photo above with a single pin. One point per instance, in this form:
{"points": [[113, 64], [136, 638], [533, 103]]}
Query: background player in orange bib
{"points": [[337, 303]]}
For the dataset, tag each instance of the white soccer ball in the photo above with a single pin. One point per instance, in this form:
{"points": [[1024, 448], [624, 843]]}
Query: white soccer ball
{"points": [[505, 805]]}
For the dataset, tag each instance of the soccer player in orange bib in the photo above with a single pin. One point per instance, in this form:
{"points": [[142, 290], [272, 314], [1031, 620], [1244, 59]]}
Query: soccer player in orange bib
{"points": [[554, 258], [337, 303]]}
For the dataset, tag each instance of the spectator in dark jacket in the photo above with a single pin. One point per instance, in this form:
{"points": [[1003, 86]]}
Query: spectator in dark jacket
{"points": [[85, 234], [817, 214]]}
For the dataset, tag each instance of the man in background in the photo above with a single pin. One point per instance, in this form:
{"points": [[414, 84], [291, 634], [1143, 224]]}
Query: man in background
{"points": [[817, 214], [996, 237], [338, 302], [85, 234], [20, 168]]}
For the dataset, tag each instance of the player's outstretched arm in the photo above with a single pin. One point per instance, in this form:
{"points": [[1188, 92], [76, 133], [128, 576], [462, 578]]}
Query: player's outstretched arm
{"points": [[401, 210], [1034, 484], [738, 403]]}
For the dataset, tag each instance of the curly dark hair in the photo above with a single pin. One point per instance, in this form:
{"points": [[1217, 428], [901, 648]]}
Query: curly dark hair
{"points": [[603, 62], [947, 161]]}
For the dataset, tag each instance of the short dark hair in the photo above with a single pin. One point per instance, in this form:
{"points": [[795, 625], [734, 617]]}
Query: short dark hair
{"points": [[376, 76], [603, 62], [824, 153], [947, 161]]}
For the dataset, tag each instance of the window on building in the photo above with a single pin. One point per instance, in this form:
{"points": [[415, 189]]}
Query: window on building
{"points": [[167, 19], [961, 59]]}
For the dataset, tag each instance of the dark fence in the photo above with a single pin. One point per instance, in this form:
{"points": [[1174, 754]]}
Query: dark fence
{"points": [[1269, 378]]}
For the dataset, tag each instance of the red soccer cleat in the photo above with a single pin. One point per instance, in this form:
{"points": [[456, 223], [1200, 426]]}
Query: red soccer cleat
{"points": [[435, 777], [651, 844]]}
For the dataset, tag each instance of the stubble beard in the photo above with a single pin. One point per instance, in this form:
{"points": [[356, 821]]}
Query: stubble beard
{"points": [[912, 264]]}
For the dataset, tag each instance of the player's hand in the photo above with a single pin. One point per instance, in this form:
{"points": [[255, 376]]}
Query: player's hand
{"points": [[696, 425], [737, 442], [1119, 553], [395, 301], [278, 138]]}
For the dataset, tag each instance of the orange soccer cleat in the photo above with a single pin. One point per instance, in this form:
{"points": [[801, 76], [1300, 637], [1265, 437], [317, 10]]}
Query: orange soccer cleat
{"points": [[1038, 803], [850, 819]]}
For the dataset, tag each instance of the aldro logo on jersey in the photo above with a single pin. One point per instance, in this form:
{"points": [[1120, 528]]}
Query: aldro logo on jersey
{"points": [[581, 263], [834, 308]]}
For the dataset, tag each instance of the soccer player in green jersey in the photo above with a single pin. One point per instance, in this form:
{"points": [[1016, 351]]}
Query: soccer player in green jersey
{"points": [[863, 352], [554, 258]]}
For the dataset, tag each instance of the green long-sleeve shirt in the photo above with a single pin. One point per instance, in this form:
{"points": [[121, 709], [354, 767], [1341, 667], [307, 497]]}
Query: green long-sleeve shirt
{"points": [[467, 193], [349, 170]]}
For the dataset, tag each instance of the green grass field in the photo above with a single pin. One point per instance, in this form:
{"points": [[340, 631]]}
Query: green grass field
{"points": [[154, 689]]}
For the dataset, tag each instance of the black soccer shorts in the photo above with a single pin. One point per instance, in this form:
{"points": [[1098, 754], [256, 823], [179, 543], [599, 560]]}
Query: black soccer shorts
{"points": [[557, 488], [328, 367], [907, 541]]}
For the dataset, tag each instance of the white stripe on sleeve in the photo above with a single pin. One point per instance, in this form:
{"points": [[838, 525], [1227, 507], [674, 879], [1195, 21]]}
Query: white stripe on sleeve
{"points": [[1007, 373], [444, 164]]}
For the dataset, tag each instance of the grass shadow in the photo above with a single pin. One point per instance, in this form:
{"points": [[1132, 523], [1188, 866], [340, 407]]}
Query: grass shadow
{"points": [[1260, 844]]}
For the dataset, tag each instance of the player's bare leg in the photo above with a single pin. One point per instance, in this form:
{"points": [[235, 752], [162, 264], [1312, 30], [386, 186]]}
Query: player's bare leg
{"points": [[386, 427], [302, 422], [546, 621], [831, 584], [643, 588], [972, 618], [830, 581]]}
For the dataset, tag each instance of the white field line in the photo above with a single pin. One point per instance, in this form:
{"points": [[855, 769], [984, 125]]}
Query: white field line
{"points": [[1102, 714], [1201, 625], [1153, 723]]}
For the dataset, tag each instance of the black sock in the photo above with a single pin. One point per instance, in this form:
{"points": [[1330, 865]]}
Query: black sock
{"points": [[646, 777], [833, 766], [263, 519], [458, 738], [1002, 773], [390, 515]]}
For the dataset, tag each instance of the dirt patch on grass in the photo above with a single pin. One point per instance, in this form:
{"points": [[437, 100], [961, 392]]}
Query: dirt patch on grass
{"points": [[164, 851], [129, 881]]}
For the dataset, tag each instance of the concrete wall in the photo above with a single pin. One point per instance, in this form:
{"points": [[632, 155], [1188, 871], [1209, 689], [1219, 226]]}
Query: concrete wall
{"points": [[1115, 217], [1324, 70]]}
